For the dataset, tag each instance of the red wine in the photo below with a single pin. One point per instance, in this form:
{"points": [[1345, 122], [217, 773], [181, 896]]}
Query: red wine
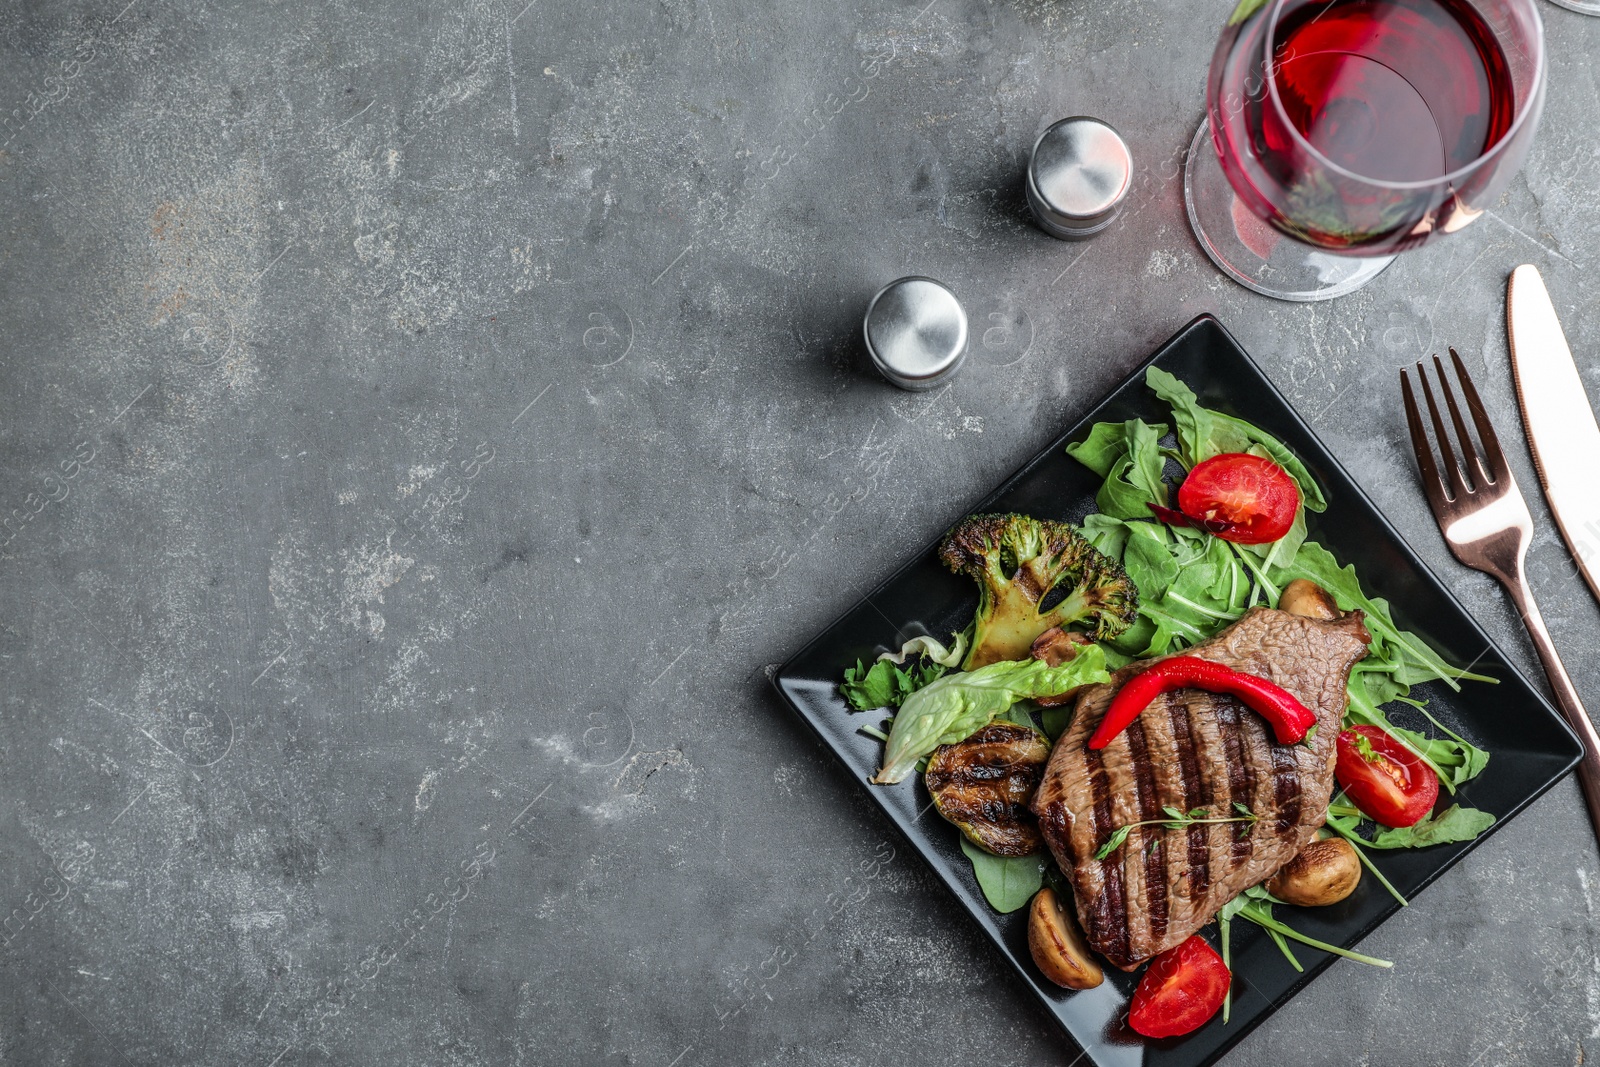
{"points": [[1393, 90], [1367, 127]]}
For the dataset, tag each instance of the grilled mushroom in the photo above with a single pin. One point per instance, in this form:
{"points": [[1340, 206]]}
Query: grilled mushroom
{"points": [[1057, 945], [1306, 598], [983, 785], [1325, 872]]}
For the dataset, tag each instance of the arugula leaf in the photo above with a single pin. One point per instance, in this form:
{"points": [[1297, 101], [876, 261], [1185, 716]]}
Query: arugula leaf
{"points": [[1317, 563], [953, 706], [1106, 444], [1193, 422], [1106, 534], [1223, 925], [1345, 826], [1455, 823], [1257, 907], [1134, 481], [1453, 759], [1473, 759], [1007, 883], [885, 685], [1148, 560]]}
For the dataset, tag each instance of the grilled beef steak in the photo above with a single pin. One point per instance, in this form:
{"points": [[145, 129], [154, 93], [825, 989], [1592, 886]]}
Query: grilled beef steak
{"points": [[1192, 749]]}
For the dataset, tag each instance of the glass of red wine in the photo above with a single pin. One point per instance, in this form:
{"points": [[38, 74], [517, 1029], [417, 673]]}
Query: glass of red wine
{"points": [[1342, 132]]}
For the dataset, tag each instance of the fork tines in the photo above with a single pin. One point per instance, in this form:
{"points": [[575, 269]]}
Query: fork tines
{"points": [[1480, 470]]}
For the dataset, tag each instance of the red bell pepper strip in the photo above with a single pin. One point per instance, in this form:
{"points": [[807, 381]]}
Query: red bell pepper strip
{"points": [[1290, 719]]}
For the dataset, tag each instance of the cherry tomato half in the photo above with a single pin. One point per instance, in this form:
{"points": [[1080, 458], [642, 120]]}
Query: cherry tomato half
{"points": [[1384, 779], [1240, 498], [1183, 988]]}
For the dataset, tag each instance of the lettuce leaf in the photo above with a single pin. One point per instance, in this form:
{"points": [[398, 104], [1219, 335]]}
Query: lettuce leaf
{"points": [[953, 707]]}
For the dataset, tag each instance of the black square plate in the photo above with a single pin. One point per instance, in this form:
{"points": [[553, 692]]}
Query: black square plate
{"points": [[1531, 746]]}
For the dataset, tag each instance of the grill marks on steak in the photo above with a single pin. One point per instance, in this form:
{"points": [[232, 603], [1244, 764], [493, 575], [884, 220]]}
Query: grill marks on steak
{"points": [[1197, 845], [1153, 875], [1192, 749], [1241, 779], [1109, 908]]}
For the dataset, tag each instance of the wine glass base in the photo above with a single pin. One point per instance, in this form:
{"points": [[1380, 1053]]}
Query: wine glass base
{"points": [[1250, 251], [1587, 7]]}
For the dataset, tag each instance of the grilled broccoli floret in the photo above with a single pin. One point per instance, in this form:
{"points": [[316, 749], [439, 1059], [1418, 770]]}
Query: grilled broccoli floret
{"points": [[1021, 563]]}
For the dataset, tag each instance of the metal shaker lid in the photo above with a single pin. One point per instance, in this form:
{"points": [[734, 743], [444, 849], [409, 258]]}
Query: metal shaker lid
{"points": [[1078, 175], [916, 332]]}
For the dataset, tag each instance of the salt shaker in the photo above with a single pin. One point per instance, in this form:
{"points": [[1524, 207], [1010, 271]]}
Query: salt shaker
{"points": [[1078, 176], [916, 332]]}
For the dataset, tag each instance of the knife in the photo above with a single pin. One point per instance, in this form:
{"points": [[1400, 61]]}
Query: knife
{"points": [[1561, 424]]}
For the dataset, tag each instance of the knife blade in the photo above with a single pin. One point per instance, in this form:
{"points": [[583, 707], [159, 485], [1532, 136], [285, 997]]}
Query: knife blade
{"points": [[1561, 424]]}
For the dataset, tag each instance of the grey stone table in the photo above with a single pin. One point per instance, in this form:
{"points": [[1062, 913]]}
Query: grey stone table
{"points": [[426, 416]]}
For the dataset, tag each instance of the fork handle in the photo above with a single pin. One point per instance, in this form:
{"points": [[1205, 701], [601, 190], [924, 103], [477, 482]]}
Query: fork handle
{"points": [[1566, 695]]}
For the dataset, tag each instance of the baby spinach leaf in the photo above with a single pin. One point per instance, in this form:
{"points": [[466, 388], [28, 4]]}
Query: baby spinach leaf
{"points": [[1056, 720], [1008, 883], [1019, 714]]}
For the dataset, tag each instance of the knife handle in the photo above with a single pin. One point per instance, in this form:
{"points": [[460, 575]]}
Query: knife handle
{"points": [[1566, 695]]}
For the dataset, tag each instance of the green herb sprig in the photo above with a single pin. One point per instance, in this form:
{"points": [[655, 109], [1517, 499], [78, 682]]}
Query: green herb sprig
{"points": [[1177, 820], [1255, 904]]}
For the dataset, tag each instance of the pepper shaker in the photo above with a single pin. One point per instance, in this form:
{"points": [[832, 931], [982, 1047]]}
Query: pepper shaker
{"points": [[916, 332], [1078, 175]]}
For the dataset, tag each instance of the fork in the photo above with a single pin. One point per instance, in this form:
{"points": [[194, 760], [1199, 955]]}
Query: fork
{"points": [[1486, 523]]}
